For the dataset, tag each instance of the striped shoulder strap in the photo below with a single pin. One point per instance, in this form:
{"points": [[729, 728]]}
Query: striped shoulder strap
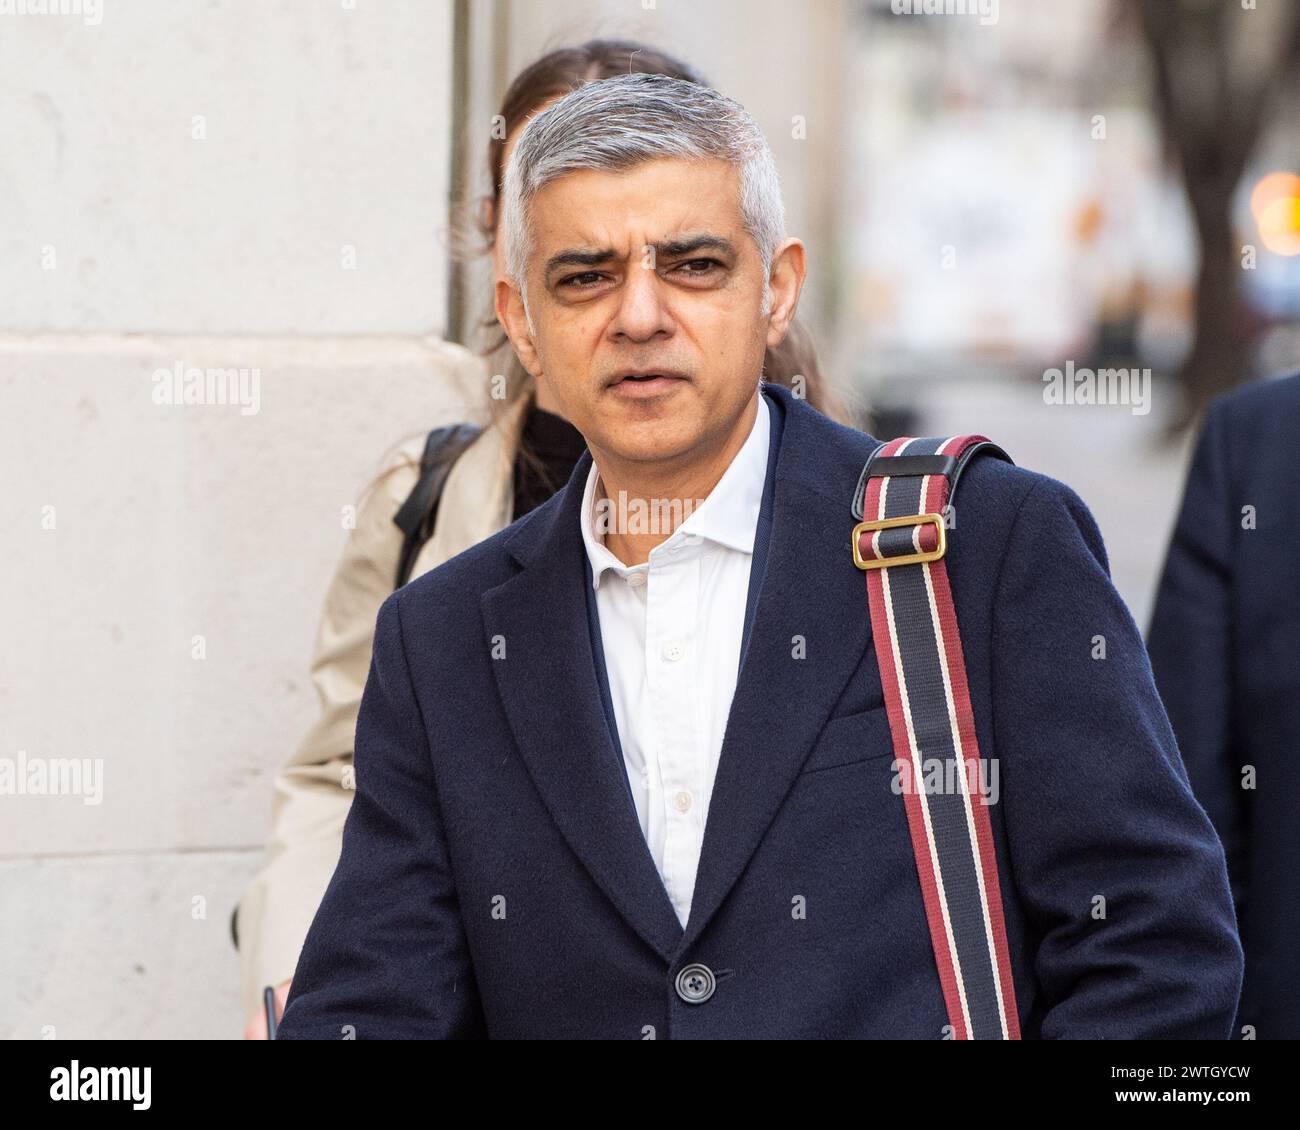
{"points": [[902, 505]]}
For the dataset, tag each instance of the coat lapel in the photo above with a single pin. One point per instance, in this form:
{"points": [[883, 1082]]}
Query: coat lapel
{"points": [[812, 601], [548, 686]]}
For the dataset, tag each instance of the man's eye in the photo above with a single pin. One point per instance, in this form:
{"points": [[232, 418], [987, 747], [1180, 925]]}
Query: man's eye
{"points": [[582, 281], [697, 266]]}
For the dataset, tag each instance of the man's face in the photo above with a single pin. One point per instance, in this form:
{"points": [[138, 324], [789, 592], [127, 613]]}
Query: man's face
{"points": [[651, 271]]}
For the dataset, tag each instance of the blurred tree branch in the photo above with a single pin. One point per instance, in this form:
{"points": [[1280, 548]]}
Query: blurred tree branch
{"points": [[1218, 67]]}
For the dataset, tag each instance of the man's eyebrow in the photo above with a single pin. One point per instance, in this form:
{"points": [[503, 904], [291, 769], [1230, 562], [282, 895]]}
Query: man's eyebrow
{"points": [[671, 248], [688, 245], [574, 257]]}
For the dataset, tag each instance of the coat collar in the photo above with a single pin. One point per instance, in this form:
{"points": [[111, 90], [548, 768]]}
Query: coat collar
{"points": [[809, 633]]}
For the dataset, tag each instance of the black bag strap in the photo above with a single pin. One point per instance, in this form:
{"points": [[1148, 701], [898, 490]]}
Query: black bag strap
{"points": [[419, 512]]}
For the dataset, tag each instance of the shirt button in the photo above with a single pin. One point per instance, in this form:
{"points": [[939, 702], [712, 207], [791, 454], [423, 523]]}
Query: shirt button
{"points": [[636, 580], [695, 983], [683, 801], [672, 651]]}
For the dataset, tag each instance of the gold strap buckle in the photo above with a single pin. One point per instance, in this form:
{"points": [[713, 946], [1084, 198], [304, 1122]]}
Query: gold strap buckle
{"points": [[893, 523]]}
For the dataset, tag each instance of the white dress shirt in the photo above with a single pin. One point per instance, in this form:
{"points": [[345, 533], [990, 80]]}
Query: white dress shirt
{"points": [[671, 629]]}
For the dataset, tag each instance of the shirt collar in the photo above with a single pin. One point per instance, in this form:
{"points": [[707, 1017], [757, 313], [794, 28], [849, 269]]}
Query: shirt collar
{"points": [[727, 517]]}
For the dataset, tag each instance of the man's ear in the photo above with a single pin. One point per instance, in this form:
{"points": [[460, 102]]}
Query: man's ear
{"points": [[510, 313], [789, 266]]}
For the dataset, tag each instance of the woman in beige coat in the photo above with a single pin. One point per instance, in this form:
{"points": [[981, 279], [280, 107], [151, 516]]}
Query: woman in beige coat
{"points": [[499, 476]]}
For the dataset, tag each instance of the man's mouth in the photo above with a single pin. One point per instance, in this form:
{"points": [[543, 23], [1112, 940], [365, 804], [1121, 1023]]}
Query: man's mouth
{"points": [[649, 382]]}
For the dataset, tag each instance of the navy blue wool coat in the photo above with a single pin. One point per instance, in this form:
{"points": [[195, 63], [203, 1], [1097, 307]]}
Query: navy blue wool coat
{"points": [[494, 881], [1225, 645]]}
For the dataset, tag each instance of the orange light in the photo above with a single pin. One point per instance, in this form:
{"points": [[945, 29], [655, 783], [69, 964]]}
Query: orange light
{"points": [[1279, 226], [1272, 188]]}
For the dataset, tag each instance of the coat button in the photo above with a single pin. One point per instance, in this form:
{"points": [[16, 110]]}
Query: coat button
{"points": [[695, 983]]}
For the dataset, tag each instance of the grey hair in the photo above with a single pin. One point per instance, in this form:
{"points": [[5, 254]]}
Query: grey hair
{"points": [[616, 123]]}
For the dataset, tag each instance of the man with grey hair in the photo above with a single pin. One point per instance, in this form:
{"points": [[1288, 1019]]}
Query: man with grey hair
{"points": [[623, 770]]}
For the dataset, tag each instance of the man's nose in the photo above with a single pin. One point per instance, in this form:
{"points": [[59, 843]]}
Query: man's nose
{"points": [[643, 309]]}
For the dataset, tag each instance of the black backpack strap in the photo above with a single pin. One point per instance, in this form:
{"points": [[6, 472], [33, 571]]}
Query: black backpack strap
{"points": [[420, 510]]}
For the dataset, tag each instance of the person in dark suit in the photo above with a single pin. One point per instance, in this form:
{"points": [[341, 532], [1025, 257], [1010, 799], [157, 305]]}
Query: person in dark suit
{"points": [[1225, 646], [621, 779]]}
